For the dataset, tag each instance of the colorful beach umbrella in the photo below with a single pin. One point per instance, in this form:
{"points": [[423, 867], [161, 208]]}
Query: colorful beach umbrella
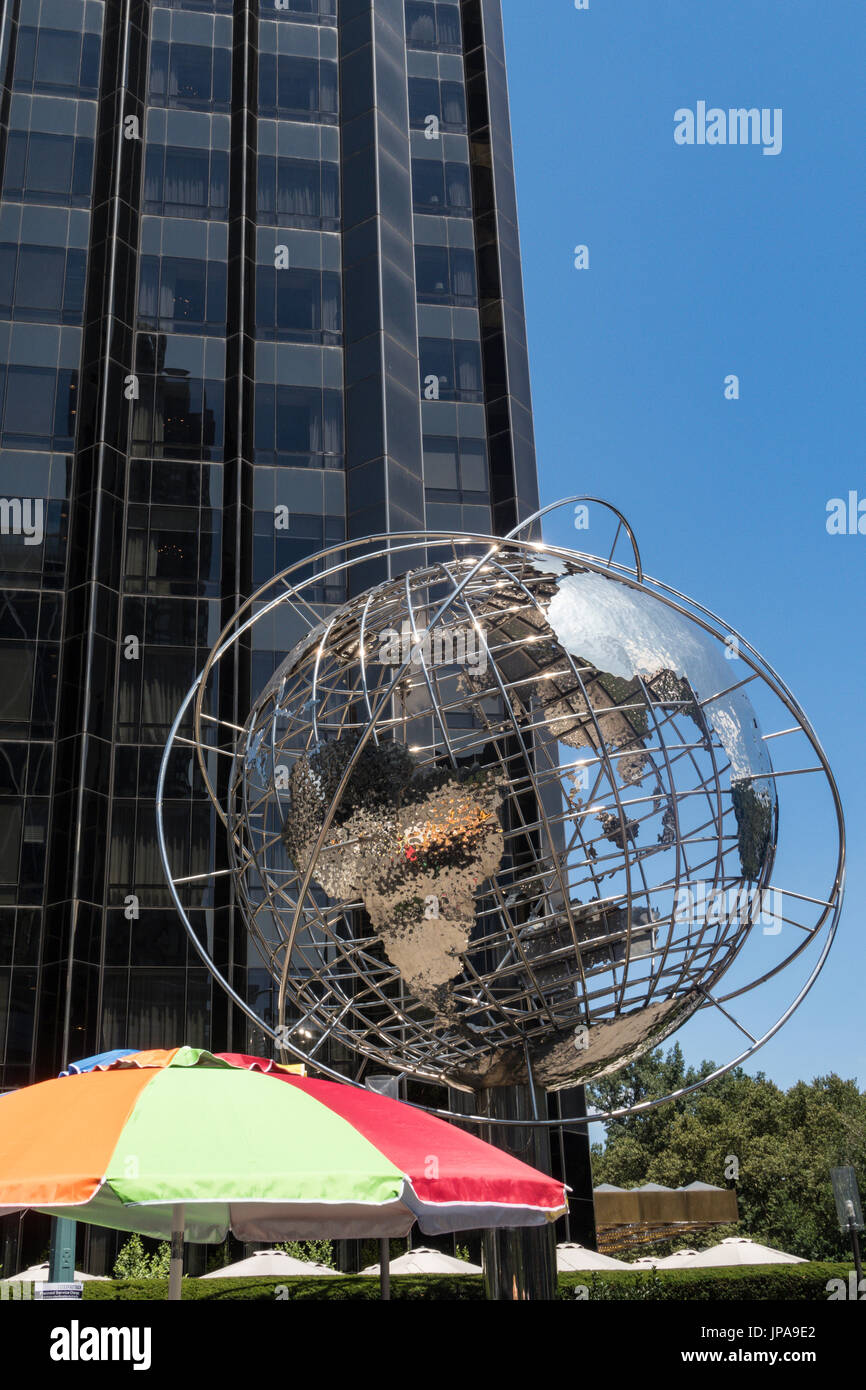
{"points": [[158, 1142]]}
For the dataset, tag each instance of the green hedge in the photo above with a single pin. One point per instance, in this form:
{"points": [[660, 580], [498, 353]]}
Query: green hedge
{"points": [[787, 1283], [417, 1288]]}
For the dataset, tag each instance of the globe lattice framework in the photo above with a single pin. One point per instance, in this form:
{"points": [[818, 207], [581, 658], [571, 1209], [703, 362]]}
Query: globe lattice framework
{"points": [[506, 816]]}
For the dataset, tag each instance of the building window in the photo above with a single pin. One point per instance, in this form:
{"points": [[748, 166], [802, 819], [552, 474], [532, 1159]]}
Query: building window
{"points": [[181, 182], [172, 551], [441, 188], [301, 426], [57, 62], [42, 284], [315, 11], [445, 275], [297, 89], [453, 518], [177, 295], [456, 364], [33, 565], [178, 417], [444, 100], [430, 25], [274, 551], [220, 6], [298, 306], [45, 168], [39, 406], [300, 192], [190, 76], [455, 470]]}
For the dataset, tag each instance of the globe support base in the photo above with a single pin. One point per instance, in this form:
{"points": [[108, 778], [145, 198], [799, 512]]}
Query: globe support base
{"points": [[519, 1264]]}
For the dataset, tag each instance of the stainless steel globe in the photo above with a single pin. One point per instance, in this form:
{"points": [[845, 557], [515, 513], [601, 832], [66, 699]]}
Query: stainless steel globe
{"points": [[509, 815]]}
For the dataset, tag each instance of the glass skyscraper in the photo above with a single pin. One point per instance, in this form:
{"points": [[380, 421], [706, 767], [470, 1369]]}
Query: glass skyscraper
{"points": [[260, 291]]}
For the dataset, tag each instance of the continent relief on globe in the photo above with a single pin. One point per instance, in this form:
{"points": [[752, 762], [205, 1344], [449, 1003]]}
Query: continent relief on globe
{"points": [[413, 846]]}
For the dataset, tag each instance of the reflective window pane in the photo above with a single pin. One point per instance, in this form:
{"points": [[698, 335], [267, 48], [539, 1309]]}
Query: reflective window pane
{"points": [[433, 25], [443, 100], [57, 62], [441, 188], [186, 182], [456, 364], [299, 425], [445, 276], [300, 89], [39, 407], [42, 284], [298, 191], [190, 76], [178, 295]]}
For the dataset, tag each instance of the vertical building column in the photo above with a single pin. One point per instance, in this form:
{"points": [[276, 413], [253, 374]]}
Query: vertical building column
{"points": [[78, 846], [237, 544], [8, 35], [384, 459], [508, 398], [572, 1162]]}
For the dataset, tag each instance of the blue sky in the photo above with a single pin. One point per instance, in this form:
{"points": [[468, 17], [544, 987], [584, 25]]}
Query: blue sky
{"points": [[706, 261]]}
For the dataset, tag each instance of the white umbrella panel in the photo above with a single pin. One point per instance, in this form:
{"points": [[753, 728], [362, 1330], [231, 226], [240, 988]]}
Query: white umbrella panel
{"points": [[575, 1257], [426, 1261], [269, 1264], [737, 1250], [38, 1274]]}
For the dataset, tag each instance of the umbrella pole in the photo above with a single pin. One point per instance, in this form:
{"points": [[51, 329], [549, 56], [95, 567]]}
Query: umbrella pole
{"points": [[175, 1272], [385, 1268]]}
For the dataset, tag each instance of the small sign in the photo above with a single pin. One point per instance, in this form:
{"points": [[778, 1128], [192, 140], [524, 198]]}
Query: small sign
{"points": [[47, 1290]]}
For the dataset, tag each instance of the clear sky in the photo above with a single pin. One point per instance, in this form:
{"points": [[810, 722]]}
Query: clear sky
{"points": [[707, 261]]}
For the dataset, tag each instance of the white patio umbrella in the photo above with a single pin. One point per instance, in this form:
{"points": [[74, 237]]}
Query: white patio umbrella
{"points": [[576, 1257], [680, 1259], [424, 1261], [737, 1250], [39, 1274], [269, 1264]]}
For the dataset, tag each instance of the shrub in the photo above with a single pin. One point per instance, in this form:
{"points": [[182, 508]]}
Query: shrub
{"points": [[785, 1283], [133, 1261]]}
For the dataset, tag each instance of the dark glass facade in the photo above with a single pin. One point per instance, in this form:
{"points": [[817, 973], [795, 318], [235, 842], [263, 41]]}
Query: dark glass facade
{"points": [[260, 291], [257, 257], [258, 260]]}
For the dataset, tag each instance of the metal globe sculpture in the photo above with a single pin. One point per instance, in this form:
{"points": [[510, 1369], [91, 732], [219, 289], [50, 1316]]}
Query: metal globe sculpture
{"points": [[509, 816]]}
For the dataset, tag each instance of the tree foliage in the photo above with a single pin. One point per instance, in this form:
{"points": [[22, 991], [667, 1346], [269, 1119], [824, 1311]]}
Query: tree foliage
{"points": [[317, 1252], [134, 1262], [776, 1147]]}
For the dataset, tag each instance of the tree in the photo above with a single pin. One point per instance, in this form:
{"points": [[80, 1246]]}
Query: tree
{"points": [[133, 1261], [775, 1147], [320, 1252]]}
